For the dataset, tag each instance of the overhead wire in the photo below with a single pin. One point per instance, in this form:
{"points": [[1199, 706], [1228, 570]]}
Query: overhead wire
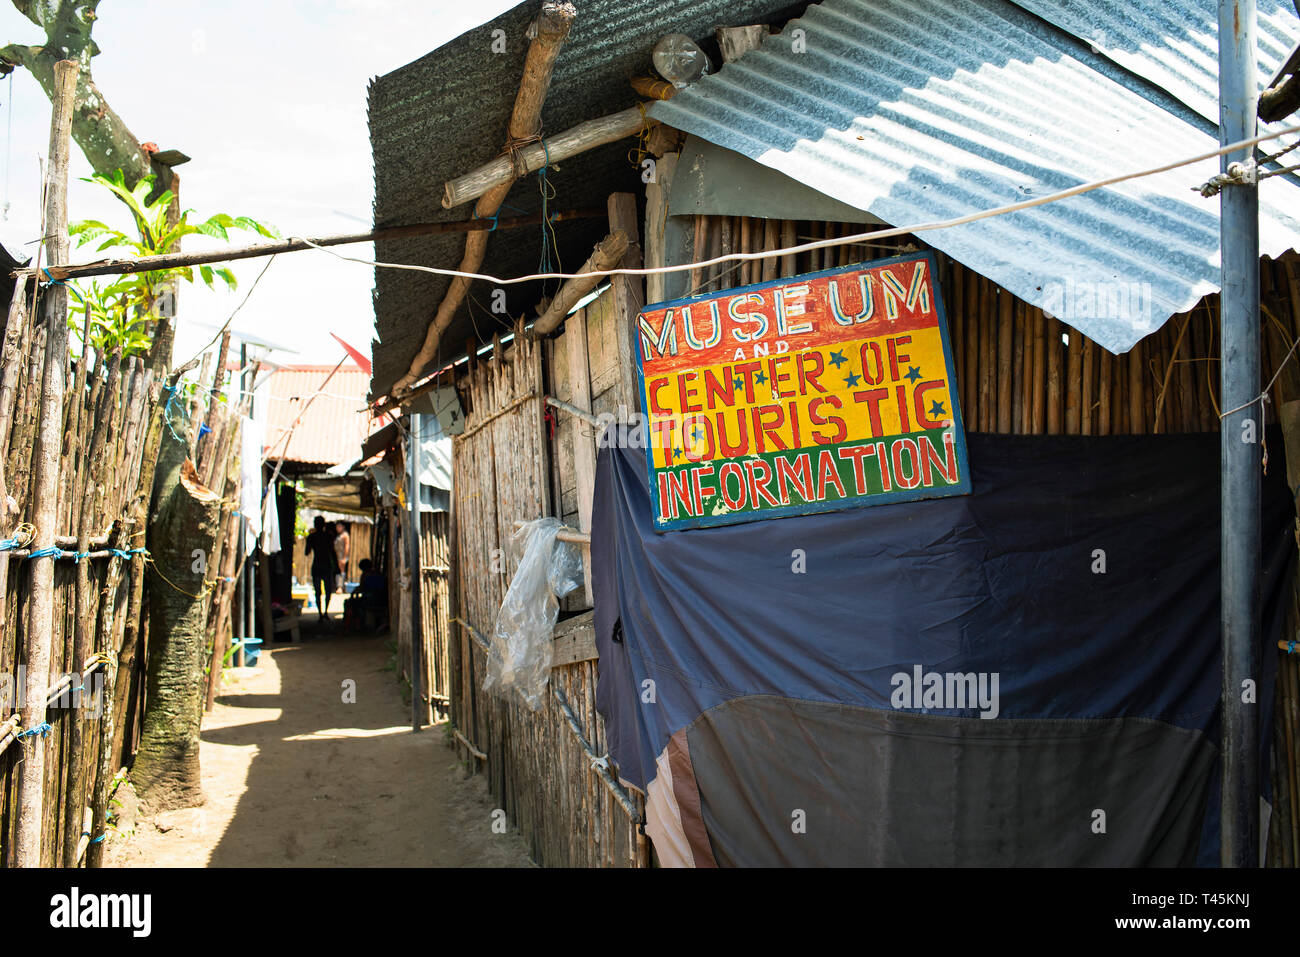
{"points": [[1003, 210]]}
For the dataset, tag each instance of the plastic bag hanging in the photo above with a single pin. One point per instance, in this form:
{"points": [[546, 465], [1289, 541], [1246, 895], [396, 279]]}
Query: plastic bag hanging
{"points": [[519, 654]]}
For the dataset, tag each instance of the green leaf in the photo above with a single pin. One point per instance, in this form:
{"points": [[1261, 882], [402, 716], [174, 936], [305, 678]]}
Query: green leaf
{"points": [[213, 229], [85, 224]]}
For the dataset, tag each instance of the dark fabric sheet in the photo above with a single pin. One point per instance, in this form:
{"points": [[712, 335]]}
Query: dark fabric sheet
{"points": [[1000, 581]]}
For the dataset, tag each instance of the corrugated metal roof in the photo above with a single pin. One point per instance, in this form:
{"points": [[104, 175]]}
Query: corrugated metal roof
{"points": [[335, 424], [921, 110], [1173, 43], [446, 114]]}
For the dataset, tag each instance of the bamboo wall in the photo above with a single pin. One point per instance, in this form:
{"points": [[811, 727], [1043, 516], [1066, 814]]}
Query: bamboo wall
{"points": [[1020, 371], [435, 619], [108, 407], [118, 395], [435, 595], [536, 767]]}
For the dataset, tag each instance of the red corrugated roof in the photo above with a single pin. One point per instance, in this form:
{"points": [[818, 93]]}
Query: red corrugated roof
{"points": [[335, 423]]}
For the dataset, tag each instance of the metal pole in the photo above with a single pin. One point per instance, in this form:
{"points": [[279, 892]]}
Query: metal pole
{"points": [[246, 592], [1240, 434], [418, 704]]}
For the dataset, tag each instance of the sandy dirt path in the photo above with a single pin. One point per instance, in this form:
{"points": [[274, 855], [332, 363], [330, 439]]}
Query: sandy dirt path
{"points": [[295, 776]]}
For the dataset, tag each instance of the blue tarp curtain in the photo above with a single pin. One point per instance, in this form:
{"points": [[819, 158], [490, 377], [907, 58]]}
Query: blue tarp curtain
{"points": [[753, 677]]}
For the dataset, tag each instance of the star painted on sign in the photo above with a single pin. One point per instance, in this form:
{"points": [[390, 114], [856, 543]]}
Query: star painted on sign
{"points": [[677, 453], [851, 379], [913, 373], [937, 409], [696, 433], [738, 382], [760, 378], [837, 359]]}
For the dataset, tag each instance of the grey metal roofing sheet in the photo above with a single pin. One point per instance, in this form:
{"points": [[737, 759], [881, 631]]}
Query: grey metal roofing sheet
{"points": [[921, 110], [446, 113], [1173, 43]]}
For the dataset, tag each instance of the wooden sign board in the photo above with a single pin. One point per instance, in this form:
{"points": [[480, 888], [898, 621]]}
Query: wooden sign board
{"points": [[825, 391]]}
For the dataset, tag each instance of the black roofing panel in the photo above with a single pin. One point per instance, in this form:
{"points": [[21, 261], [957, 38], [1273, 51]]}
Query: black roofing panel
{"points": [[446, 113]]}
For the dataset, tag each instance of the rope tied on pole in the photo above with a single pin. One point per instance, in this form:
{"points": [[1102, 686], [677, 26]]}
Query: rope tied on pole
{"points": [[50, 551], [43, 730], [51, 281], [22, 537]]}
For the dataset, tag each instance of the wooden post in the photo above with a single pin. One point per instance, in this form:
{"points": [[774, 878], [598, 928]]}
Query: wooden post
{"points": [[40, 609], [11, 370], [1006, 328], [104, 761], [788, 239], [85, 619], [419, 708], [607, 255], [584, 449], [207, 451], [264, 581], [629, 297]]}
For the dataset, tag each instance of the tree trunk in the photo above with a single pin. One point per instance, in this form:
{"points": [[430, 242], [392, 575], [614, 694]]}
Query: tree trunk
{"points": [[107, 142], [185, 520], [102, 135]]}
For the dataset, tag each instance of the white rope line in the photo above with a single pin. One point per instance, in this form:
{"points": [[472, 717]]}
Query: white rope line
{"points": [[825, 243], [1263, 396]]}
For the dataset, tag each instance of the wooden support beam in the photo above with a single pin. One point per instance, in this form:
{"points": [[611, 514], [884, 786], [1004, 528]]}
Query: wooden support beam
{"points": [[598, 762], [573, 410], [566, 534], [607, 254], [575, 641], [504, 169], [551, 29], [469, 747], [117, 267]]}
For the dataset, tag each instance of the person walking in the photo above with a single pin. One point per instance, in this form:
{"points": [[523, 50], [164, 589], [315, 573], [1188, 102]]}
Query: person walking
{"points": [[342, 551], [324, 564]]}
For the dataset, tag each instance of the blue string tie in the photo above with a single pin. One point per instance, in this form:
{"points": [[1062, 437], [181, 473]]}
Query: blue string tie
{"points": [[120, 552], [78, 556], [53, 551], [9, 544], [203, 429], [51, 281], [42, 729]]}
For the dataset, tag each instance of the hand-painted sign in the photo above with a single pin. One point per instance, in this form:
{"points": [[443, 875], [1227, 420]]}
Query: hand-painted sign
{"points": [[824, 391]]}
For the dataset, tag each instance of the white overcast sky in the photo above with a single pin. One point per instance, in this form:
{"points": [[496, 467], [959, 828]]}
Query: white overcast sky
{"points": [[268, 97]]}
